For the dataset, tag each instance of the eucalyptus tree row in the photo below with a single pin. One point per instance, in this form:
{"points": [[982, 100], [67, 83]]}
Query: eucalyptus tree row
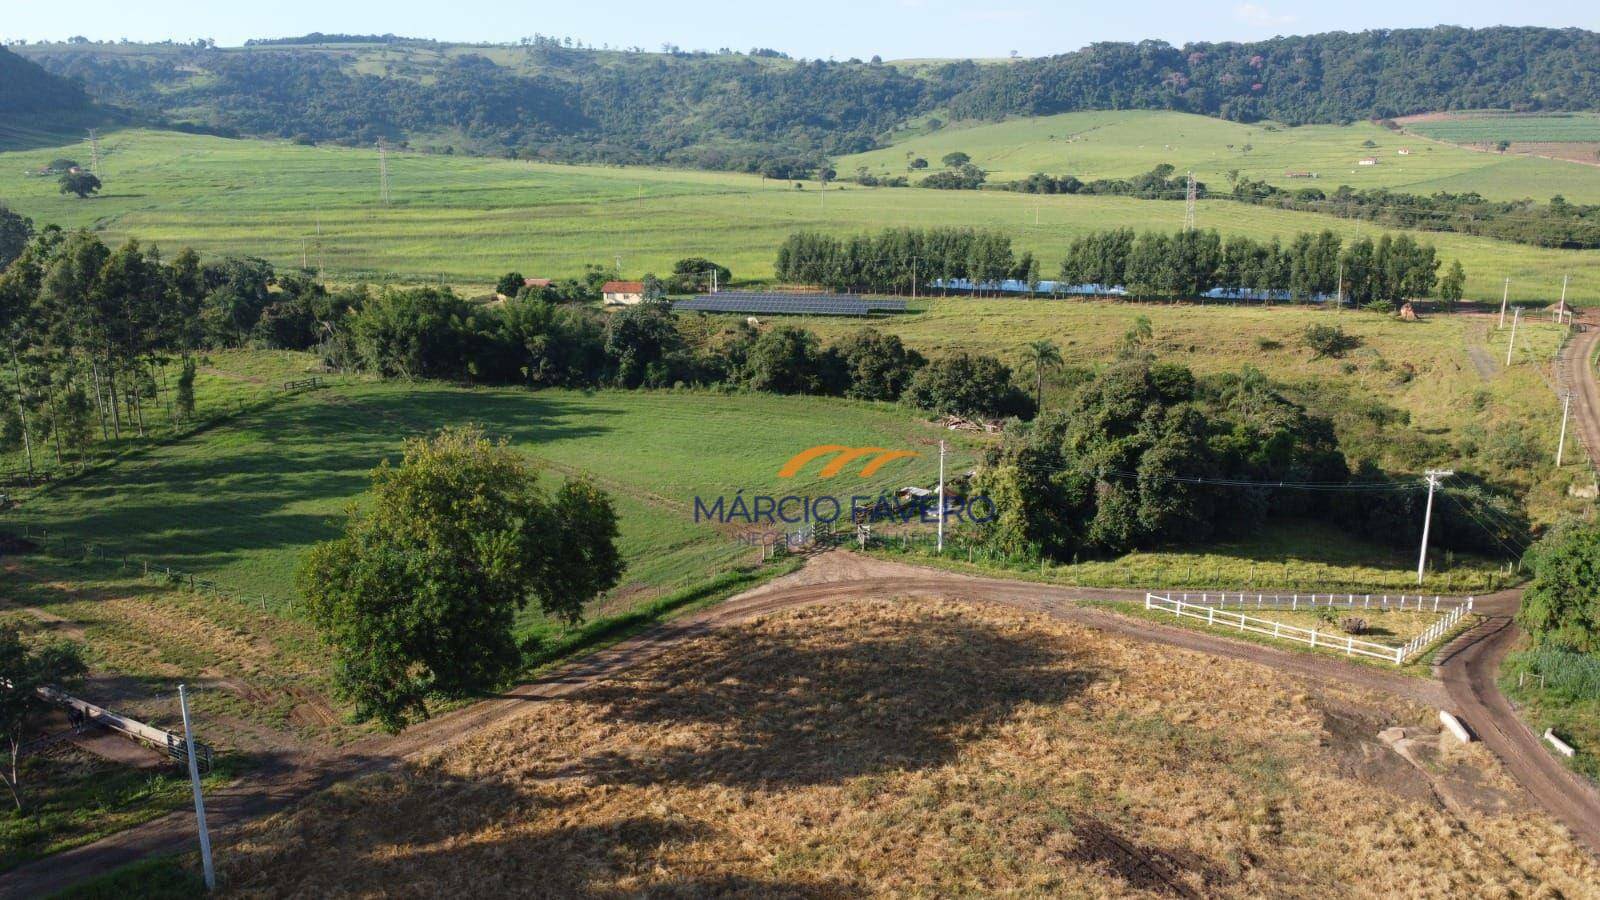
{"points": [[87, 331]]}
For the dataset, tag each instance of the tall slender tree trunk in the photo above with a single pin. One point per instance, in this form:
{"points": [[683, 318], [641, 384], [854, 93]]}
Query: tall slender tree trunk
{"points": [[99, 401], [22, 412], [55, 425], [116, 416], [138, 404]]}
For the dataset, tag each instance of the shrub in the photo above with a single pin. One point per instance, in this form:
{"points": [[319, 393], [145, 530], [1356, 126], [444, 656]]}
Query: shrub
{"points": [[1329, 341], [1353, 625]]}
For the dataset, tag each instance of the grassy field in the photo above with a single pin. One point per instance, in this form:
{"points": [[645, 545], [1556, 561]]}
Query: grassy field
{"points": [[468, 220], [923, 748], [241, 502], [1117, 144]]}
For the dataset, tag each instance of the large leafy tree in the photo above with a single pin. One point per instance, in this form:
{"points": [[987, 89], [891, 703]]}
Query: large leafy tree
{"points": [[1561, 607], [26, 669], [420, 594]]}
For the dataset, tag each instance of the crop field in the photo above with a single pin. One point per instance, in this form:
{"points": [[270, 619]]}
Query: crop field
{"points": [[1471, 129], [926, 748], [1119, 144], [468, 220]]}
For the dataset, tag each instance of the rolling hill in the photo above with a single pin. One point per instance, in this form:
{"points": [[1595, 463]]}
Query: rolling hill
{"points": [[467, 220], [1121, 144], [550, 99]]}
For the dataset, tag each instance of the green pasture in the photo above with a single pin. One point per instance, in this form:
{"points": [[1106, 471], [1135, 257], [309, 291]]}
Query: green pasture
{"points": [[241, 502], [466, 220], [1111, 144]]}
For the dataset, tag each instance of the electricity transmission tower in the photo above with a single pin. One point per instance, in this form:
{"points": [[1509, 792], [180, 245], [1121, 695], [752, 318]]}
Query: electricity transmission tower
{"points": [[383, 174], [94, 152], [1188, 204]]}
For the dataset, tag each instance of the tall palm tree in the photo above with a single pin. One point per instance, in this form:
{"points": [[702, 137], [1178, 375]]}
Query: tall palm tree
{"points": [[1042, 354]]}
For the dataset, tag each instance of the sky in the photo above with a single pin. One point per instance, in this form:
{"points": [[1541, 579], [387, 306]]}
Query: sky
{"points": [[895, 29]]}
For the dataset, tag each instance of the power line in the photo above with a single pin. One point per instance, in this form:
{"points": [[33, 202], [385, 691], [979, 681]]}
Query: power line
{"points": [[383, 173]]}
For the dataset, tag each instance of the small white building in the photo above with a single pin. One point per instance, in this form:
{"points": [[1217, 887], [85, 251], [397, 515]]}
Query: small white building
{"points": [[622, 293], [1403, 151], [1367, 161]]}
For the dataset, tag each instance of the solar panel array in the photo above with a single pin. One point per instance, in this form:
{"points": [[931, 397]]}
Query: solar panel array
{"points": [[773, 303]]}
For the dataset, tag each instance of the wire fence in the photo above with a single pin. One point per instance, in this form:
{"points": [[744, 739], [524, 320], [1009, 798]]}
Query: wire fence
{"points": [[72, 551]]}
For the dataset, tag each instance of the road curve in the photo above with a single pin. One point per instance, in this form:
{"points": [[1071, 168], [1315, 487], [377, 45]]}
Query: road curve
{"points": [[279, 786], [1470, 669]]}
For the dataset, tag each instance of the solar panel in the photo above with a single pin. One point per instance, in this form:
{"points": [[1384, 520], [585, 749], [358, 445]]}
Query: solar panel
{"points": [[774, 303]]}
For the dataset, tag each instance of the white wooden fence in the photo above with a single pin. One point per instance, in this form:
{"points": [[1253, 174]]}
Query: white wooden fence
{"points": [[1401, 602], [1344, 643]]}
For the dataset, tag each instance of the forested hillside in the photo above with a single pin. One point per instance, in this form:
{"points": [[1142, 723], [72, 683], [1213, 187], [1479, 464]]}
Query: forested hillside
{"points": [[26, 89], [1330, 77], [762, 111]]}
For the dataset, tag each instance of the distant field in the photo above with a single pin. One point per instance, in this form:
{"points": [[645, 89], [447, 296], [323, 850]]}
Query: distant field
{"points": [[1467, 128], [1116, 144], [467, 220]]}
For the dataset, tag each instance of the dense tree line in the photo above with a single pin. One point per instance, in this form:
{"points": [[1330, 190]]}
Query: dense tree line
{"points": [[741, 112], [1156, 184], [1386, 271], [97, 341], [1145, 453], [901, 260], [1555, 224], [1332, 77]]}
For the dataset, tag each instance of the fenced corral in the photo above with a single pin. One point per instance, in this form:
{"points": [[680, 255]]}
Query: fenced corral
{"points": [[1315, 638], [1295, 602]]}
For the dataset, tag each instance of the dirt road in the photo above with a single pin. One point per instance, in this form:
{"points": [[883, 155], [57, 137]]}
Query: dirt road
{"points": [[1577, 376], [834, 577]]}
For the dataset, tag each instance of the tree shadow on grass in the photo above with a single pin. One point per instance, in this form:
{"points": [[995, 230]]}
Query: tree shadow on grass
{"points": [[794, 706]]}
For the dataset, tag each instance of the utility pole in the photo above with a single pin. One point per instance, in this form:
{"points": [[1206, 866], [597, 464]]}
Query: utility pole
{"points": [[1340, 307], [1188, 207], [913, 278], [1434, 477], [1561, 311], [941, 498], [1561, 443], [199, 800], [383, 174], [1516, 315], [94, 152], [1505, 294]]}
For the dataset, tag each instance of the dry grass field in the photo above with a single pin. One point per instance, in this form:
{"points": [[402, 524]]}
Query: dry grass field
{"points": [[929, 748]]}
